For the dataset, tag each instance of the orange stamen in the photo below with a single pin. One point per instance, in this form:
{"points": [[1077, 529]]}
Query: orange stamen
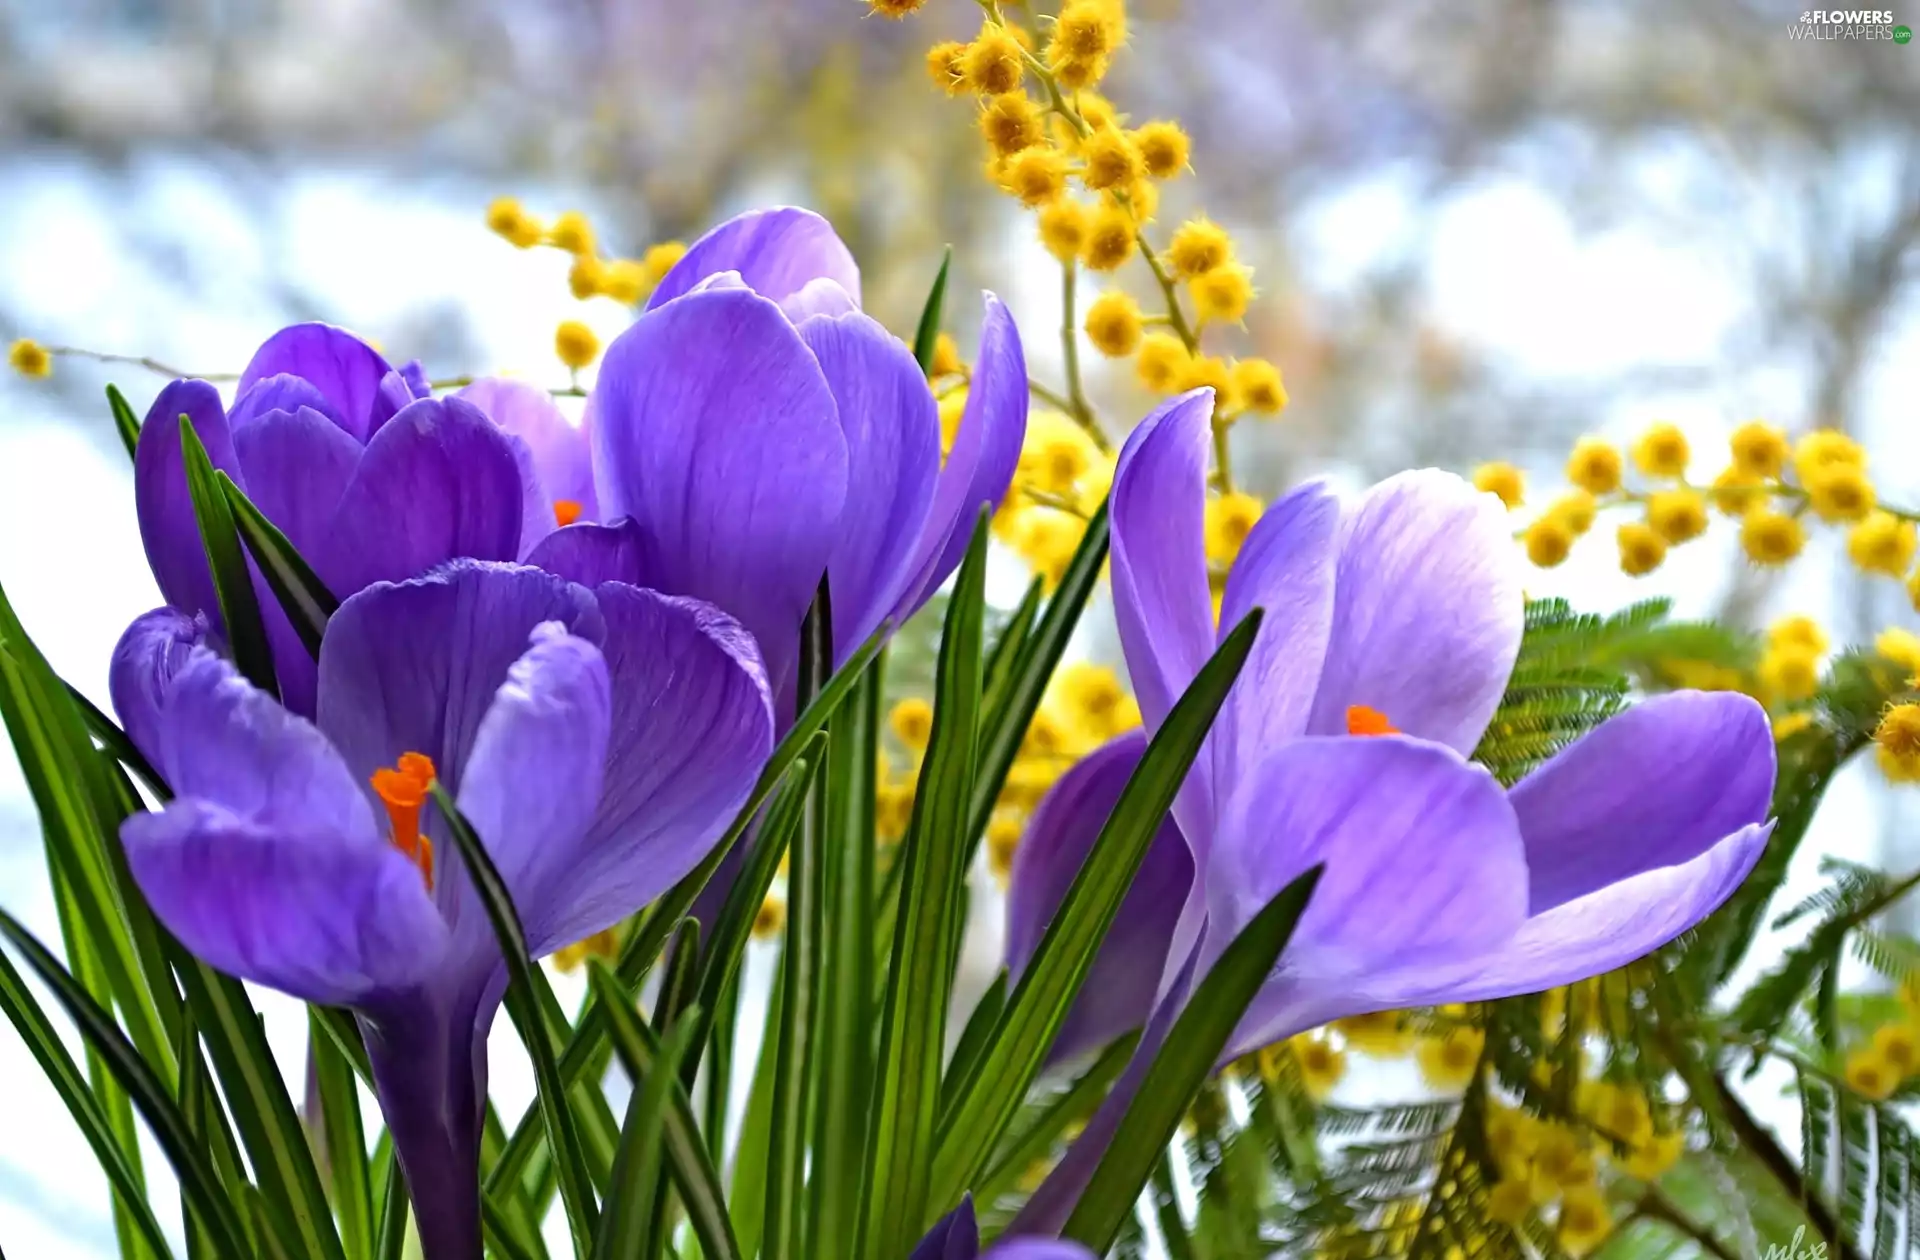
{"points": [[1364, 721], [403, 790], [567, 511]]}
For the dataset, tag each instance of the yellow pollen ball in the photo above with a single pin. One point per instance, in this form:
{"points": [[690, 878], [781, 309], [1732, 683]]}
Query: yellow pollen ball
{"points": [[1164, 147], [912, 720], [1661, 451], [1383, 1034], [1109, 240], [1870, 1076], [29, 358], [1771, 538], [1223, 294], [1229, 519], [1735, 493], [945, 67], [1902, 647], [1114, 324], [509, 219], [894, 8], [1198, 246], [1503, 481], [1112, 160], [1881, 543], [992, 62], [1509, 1201], [1321, 1065], [1759, 449], [1913, 589], [1594, 466], [1585, 1221], [1840, 492], [1548, 540], [571, 232], [576, 344], [1575, 509], [1641, 549], [1790, 672], [946, 357], [1897, 743], [1098, 112], [1003, 842], [1209, 372], [660, 259], [770, 918], [625, 281], [1259, 385], [1898, 1046], [1163, 357], [587, 277], [1076, 74], [1010, 123], [1677, 515], [1448, 1062], [1063, 229], [1036, 175], [1823, 449], [1798, 630], [1085, 28]]}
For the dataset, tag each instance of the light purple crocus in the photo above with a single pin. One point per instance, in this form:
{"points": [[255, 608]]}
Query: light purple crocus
{"points": [[757, 431], [598, 740], [956, 1236], [368, 477], [1392, 625]]}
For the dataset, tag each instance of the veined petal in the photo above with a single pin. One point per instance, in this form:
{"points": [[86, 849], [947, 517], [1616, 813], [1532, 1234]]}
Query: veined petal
{"points": [[892, 428], [1427, 611], [281, 393], [1038, 1249], [1423, 866], [1607, 928], [532, 782], [818, 296], [777, 252], [692, 727], [980, 465], [414, 373], [592, 554], [1657, 786], [299, 909], [436, 483], [1118, 993], [1285, 567], [415, 666], [362, 387], [716, 432], [297, 465], [558, 447], [160, 496], [149, 655], [955, 1236]]}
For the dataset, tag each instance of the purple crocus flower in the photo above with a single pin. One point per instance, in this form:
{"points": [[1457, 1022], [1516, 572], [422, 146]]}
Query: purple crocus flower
{"points": [[1392, 625], [756, 430], [369, 479], [956, 1236], [599, 741]]}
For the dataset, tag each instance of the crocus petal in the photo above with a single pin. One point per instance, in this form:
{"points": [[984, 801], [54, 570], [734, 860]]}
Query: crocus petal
{"points": [[1604, 929], [1038, 1249], [532, 783], [1423, 866], [152, 651], [777, 252], [955, 1236], [414, 373], [280, 393], [302, 911], [160, 497], [1119, 991], [415, 666], [819, 296], [592, 554], [559, 448], [1656, 786], [717, 433], [892, 428], [437, 482], [1427, 611], [297, 465], [1285, 567], [692, 726], [362, 387], [985, 452]]}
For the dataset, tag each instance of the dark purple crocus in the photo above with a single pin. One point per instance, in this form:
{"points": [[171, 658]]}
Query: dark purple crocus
{"points": [[956, 1236], [368, 478], [599, 740], [756, 430], [1392, 625]]}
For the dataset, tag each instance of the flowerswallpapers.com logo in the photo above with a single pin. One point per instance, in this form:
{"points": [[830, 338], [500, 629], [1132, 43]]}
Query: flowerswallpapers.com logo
{"points": [[1850, 24], [1798, 1248]]}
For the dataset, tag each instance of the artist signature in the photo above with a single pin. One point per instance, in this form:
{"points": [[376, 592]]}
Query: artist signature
{"points": [[1797, 1248]]}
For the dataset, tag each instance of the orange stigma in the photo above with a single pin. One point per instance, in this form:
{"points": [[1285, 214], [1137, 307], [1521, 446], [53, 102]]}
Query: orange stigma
{"points": [[566, 511], [403, 790], [1364, 721]]}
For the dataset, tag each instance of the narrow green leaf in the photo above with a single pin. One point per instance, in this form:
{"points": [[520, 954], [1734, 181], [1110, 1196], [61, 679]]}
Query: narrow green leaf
{"points": [[1185, 1060], [576, 1186], [125, 423], [747, 1200], [501, 1238], [992, 1092], [232, 583], [302, 595], [208, 1119], [632, 1219], [115, 743], [844, 1042], [693, 1173], [163, 1119], [974, 1040], [1008, 646], [1044, 1122], [801, 975], [1033, 666], [674, 1010], [43, 1041], [913, 1025], [391, 1244], [346, 1160], [929, 330]]}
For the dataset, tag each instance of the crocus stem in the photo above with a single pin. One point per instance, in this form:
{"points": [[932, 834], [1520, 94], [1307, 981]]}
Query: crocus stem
{"points": [[428, 1070]]}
